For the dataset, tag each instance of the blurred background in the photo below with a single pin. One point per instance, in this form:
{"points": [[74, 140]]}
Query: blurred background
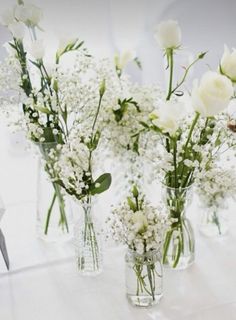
{"points": [[108, 26]]}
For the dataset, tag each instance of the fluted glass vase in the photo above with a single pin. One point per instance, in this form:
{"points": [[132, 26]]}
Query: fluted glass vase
{"points": [[54, 216], [144, 278], [179, 242], [88, 239]]}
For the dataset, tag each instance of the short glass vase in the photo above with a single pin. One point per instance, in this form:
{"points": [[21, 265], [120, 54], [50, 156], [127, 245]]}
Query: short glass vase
{"points": [[144, 278]]}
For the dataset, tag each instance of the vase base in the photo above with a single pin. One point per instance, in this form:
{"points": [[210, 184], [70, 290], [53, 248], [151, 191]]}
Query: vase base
{"points": [[90, 273], [143, 301], [183, 263], [54, 234]]}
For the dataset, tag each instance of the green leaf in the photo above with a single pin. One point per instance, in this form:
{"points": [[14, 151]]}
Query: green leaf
{"points": [[145, 125], [104, 182], [35, 64]]}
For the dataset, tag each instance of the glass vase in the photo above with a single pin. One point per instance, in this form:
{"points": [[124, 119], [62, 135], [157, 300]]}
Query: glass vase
{"points": [[179, 242], [214, 222], [54, 216], [144, 278], [88, 240]]}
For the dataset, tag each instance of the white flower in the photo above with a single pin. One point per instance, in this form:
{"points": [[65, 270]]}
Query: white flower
{"points": [[29, 14], [17, 29], [37, 49], [212, 95], [228, 63], [168, 116], [125, 57], [140, 221], [7, 17], [168, 34]]}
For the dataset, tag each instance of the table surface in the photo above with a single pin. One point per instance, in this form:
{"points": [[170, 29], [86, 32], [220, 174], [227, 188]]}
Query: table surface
{"points": [[44, 284]]}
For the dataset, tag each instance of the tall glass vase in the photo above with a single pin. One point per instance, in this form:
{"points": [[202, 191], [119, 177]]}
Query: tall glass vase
{"points": [[179, 242], [54, 217], [144, 284], [88, 239]]}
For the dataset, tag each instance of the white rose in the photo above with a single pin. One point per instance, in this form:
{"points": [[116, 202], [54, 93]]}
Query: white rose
{"points": [[17, 29], [168, 34], [140, 221], [37, 49], [168, 116], [7, 17], [228, 63], [29, 14], [212, 95]]}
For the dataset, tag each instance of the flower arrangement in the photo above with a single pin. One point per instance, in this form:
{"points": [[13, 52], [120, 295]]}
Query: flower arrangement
{"points": [[72, 167], [141, 227], [214, 188], [192, 132]]}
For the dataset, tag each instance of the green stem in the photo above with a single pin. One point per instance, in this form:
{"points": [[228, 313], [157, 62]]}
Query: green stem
{"points": [[170, 60], [216, 221], [187, 142], [63, 220], [49, 214]]}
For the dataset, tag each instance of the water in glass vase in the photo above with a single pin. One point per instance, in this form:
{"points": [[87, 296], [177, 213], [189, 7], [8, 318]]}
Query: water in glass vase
{"points": [[144, 278], [88, 239], [179, 242]]}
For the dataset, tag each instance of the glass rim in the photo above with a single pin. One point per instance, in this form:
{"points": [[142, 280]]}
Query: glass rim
{"points": [[150, 252]]}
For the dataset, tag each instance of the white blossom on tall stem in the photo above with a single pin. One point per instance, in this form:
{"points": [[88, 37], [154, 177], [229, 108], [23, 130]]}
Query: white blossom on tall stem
{"points": [[168, 34]]}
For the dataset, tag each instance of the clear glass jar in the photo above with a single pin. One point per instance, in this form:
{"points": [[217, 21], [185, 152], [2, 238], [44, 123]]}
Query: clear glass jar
{"points": [[54, 215], [179, 242], [144, 278], [214, 221], [88, 239]]}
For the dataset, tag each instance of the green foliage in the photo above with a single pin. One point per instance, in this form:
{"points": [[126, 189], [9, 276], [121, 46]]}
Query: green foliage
{"points": [[73, 46], [104, 182], [124, 105]]}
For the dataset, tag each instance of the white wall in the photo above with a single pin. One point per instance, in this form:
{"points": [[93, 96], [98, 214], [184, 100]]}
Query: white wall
{"points": [[110, 25]]}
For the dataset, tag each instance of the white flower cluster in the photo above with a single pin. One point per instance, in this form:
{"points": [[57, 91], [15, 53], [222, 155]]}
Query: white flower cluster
{"points": [[142, 230], [209, 139], [215, 185], [69, 164]]}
